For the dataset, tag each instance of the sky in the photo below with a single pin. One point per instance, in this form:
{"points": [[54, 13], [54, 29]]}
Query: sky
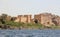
{"points": [[22, 7]]}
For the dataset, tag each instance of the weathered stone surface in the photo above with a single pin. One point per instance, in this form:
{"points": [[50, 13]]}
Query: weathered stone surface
{"points": [[47, 19], [23, 18]]}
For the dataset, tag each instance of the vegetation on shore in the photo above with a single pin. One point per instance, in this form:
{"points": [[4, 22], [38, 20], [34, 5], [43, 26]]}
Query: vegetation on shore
{"points": [[4, 24], [23, 25]]}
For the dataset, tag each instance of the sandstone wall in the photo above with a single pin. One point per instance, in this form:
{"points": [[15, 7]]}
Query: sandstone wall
{"points": [[44, 19], [23, 18]]}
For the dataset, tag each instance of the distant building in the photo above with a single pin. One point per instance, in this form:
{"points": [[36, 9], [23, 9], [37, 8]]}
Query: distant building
{"points": [[44, 19], [23, 18]]}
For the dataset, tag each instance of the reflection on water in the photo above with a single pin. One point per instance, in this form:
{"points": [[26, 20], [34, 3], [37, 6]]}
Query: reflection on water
{"points": [[30, 33]]}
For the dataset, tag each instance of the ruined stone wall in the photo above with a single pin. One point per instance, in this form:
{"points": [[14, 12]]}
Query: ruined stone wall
{"points": [[44, 19], [56, 20], [29, 18], [17, 20], [38, 18], [23, 18]]}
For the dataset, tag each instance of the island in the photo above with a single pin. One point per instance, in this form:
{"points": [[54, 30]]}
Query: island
{"points": [[40, 21]]}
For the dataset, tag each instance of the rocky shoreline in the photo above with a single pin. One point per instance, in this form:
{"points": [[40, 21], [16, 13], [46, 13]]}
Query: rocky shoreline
{"points": [[22, 28]]}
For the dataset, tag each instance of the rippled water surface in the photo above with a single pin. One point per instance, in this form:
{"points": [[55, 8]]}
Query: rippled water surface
{"points": [[30, 33]]}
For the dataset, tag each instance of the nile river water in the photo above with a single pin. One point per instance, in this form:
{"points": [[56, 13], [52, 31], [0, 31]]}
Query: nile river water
{"points": [[30, 33]]}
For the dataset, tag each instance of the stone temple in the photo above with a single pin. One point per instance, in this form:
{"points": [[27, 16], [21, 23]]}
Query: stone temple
{"points": [[46, 19], [23, 18]]}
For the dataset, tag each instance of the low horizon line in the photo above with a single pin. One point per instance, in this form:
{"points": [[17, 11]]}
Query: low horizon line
{"points": [[29, 14]]}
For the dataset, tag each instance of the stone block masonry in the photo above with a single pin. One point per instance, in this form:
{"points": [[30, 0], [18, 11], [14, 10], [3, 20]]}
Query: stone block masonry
{"points": [[23, 18]]}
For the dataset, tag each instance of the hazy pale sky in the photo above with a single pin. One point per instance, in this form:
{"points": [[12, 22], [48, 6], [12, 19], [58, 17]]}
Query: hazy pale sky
{"points": [[18, 7]]}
